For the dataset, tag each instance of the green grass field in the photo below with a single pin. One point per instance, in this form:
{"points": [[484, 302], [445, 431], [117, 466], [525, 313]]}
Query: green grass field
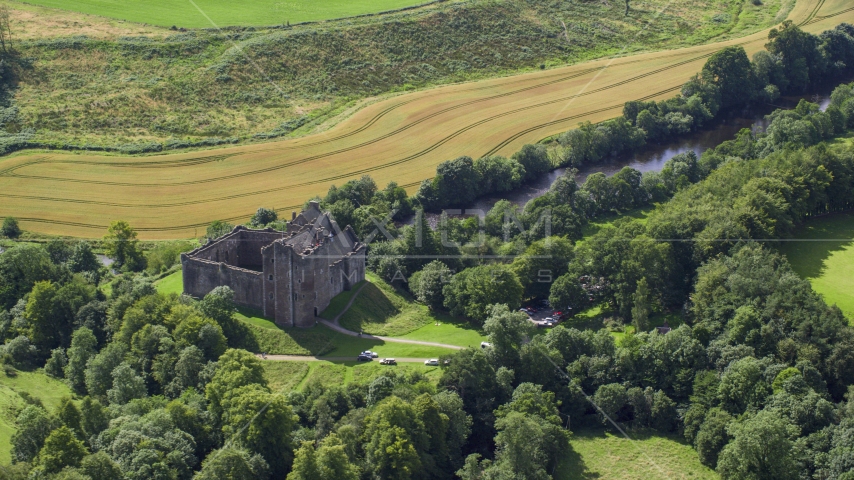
{"points": [[173, 283], [222, 13], [286, 376], [449, 331], [36, 384], [826, 258], [323, 341], [337, 305], [381, 309], [597, 454]]}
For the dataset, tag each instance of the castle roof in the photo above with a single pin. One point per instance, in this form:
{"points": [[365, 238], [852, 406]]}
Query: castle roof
{"points": [[314, 228], [306, 233]]}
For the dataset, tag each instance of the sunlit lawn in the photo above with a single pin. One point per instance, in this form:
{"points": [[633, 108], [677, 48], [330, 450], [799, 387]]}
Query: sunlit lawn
{"points": [[825, 257], [596, 454]]}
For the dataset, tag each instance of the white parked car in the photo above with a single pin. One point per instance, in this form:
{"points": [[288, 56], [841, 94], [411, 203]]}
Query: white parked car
{"points": [[433, 362], [485, 344]]}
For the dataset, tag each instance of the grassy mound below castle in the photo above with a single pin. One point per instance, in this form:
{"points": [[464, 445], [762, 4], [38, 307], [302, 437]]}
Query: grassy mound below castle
{"points": [[386, 310], [375, 311]]}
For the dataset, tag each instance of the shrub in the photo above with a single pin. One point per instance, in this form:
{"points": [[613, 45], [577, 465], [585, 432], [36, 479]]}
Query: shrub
{"points": [[10, 228], [263, 216]]}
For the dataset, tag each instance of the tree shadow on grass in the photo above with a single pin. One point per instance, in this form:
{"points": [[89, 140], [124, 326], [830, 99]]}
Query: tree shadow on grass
{"points": [[572, 467], [459, 322], [371, 307], [825, 236], [339, 302], [265, 336]]}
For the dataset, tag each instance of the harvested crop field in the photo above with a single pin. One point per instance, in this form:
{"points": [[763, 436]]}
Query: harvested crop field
{"points": [[401, 139]]}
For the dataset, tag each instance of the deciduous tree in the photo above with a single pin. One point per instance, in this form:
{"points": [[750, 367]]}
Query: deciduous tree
{"points": [[760, 449], [121, 245], [61, 449]]}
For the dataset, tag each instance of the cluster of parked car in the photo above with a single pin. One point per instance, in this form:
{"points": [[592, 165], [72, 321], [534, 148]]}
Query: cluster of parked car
{"points": [[546, 322], [369, 356], [549, 321], [366, 356]]}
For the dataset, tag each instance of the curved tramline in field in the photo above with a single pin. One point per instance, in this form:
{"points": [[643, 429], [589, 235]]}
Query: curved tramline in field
{"points": [[400, 139]]}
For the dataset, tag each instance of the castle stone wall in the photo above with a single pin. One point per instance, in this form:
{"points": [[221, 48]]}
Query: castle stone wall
{"points": [[202, 276], [250, 245], [290, 276]]}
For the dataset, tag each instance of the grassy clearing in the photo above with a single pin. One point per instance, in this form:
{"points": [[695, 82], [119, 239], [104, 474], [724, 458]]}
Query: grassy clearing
{"points": [[346, 346], [284, 376], [639, 214], [826, 258], [450, 331], [596, 318], [36, 22], [37, 385], [379, 310], [382, 309], [166, 13], [287, 376], [323, 341], [597, 454]]}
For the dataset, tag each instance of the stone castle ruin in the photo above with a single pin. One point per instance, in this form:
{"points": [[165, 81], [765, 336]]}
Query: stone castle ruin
{"points": [[290, 276]]}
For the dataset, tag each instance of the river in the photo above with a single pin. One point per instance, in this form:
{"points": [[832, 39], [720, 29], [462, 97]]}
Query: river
{"points": [[653, 156]]}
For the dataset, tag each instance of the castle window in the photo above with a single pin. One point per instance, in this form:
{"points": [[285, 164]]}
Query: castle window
{"points": [[272, 260], [271, 278], [271, 295]]}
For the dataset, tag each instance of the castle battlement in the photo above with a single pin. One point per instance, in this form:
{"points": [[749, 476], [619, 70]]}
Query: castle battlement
{"points": [[290, 276]]}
